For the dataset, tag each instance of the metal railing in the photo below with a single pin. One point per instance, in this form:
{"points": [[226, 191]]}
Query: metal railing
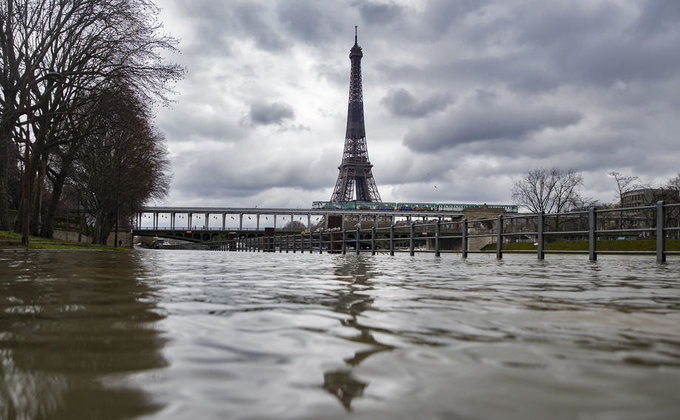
{"points": [[537, 230]]}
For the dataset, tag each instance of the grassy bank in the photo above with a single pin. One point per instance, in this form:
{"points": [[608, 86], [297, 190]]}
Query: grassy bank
{"points": [[623, 245], [11, 240]]}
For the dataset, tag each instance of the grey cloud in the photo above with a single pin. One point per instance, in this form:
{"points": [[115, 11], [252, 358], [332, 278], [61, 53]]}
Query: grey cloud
{"points": [[215, 179], [379, 13], [485, 118], [658, 18], [440, 16], [603, 44], [590, 84], [400, 102], [218, 25], [249, 18], [273, 113], [309, 22]]}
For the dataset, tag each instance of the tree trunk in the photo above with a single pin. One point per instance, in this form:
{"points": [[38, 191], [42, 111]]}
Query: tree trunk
{"points": [[5, 138], [38, 189], [47, 229], [102, 227]]}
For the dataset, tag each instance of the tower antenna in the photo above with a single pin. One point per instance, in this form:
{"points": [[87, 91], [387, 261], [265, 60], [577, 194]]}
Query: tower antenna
{"points": [[355, 34]]}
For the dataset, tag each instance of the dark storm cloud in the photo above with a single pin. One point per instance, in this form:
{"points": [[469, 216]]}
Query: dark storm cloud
{"points": [[485, 117], [602, 44], [401, 103], [379, 13], [273, 113], [309, 21], [220, 24], [658, 18], [440, 16], [269, 172], [589, 84]]}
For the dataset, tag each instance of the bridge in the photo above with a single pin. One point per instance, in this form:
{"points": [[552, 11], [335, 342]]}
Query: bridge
{"points": [[210, 224]]}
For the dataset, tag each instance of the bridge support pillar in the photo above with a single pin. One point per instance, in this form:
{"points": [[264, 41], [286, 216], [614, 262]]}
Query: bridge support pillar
{"points": [[392, 237], [499, 237], [660, 235], [437, 232], [358, 244], [411, 238]]}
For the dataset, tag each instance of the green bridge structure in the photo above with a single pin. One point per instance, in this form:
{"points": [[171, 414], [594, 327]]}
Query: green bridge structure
{"points": [[218, 224]]}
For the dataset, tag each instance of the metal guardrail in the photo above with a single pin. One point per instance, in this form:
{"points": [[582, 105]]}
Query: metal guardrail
{"points": [[592, 224]]}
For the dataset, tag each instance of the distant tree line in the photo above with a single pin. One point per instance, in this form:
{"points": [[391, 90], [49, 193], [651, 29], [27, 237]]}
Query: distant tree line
{"points": [[78, 80], [555, 190]]}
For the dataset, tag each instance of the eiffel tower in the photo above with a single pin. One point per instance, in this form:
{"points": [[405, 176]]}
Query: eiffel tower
{"points": [[355, 170]]}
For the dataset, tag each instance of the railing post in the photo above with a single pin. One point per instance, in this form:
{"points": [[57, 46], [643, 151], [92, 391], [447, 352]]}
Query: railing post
{"points": [[392, 239], [540, 249], [499, 238], [321, 242], [311, 243], [660, 236], [344, 240], [330, 238], [437, 229], [373, 241], [294, 243], [464, 239], [411, 239], [358, 245], [592, 234]]}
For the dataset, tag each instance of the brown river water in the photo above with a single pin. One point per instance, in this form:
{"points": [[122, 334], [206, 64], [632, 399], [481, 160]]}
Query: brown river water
{"points": [[222, 335]]}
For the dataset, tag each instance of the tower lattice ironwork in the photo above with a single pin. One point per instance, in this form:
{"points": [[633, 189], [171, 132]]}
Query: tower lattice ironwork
{"points": [[355, 180]]}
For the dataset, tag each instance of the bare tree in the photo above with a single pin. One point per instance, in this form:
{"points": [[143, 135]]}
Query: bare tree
{"points": [[54, 52], [295, 225], [551, 190], [122, 162], [674, 184], [623, 184]]}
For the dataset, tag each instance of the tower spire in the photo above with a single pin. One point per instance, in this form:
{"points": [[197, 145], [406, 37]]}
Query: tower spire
{"points": [[355, 179]]}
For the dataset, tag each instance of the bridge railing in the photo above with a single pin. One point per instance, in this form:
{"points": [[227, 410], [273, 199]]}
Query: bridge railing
{"points": [[638, 230]]}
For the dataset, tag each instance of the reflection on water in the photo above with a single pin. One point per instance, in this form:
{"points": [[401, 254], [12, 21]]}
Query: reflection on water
{"points": [[189, 334], [356, 274], [71, 326]]}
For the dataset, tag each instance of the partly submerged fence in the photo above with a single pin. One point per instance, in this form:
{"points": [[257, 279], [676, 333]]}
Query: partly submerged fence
{"points": [[577, 232]]}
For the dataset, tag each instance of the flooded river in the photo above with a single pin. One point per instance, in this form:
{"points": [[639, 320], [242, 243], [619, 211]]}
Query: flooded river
{"points": [[208, 335]]}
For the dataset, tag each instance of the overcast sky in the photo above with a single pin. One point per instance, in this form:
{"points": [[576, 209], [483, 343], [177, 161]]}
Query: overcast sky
{"points": [[461, 97]]}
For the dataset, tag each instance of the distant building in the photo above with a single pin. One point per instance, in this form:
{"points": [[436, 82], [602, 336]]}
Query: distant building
{"points": [[648, 197]]}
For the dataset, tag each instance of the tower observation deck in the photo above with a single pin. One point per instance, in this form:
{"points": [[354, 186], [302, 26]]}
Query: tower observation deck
{"points": [[355, 178]]}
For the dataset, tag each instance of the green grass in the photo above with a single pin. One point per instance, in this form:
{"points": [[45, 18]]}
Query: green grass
{"points": [[624, 245], [12, 240]]}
